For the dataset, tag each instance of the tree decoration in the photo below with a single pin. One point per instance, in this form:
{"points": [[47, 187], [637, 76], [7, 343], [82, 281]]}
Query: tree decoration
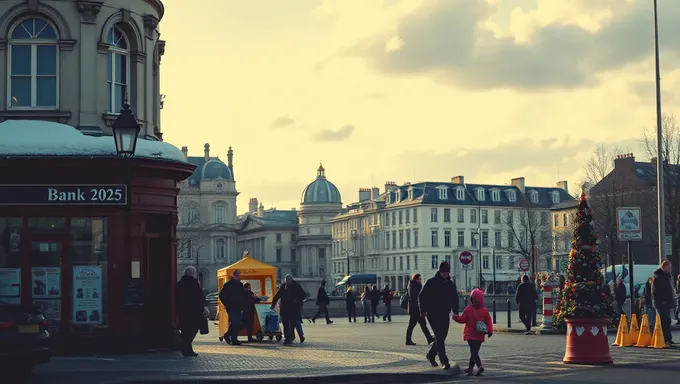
{"points": [[585, 293]]}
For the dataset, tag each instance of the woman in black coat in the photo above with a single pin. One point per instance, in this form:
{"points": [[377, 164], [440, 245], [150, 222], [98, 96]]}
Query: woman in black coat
{"points": [[415, 317], [190, 303]]}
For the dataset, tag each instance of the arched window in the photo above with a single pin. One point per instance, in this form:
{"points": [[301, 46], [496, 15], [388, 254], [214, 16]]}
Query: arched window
{"points": [[220, 249], [33, 64], [117, 69]]}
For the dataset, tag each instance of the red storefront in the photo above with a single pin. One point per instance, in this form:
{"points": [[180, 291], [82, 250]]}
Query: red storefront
{"points": [[91, 239]]}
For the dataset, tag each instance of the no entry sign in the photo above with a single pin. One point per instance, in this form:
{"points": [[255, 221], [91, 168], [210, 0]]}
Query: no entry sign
{"points": [[524, 265], [465, 257]]}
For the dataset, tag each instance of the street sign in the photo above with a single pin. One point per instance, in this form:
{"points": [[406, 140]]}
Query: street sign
{"points": [[629, 223], [466, 266], [465, 258], [669, 245], [524, 265]]}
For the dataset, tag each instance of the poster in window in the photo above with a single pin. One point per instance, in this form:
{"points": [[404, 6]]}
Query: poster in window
{"points": [[87, 294], [10, 285], [46, 282], [14, 240]]}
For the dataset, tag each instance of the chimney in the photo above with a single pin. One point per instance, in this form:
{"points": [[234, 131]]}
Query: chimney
{"points": [[364, 194], [185, 152], [375, 192], [230, 158], [206, 152], [252, 206], [625, 161], [260, 210], [519, 183], [458, 180], [390, 185], [563, 185]]}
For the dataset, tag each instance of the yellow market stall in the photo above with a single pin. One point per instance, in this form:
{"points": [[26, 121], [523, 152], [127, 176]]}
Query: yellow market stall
{"points": [[262, 278]]}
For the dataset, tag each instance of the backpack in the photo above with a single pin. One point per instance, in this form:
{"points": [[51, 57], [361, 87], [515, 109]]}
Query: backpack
{"points": [[403, 302]]}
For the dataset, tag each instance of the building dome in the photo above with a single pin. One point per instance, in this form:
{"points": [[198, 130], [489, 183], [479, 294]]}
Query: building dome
{"points": [[321, 191], [215, 169]]}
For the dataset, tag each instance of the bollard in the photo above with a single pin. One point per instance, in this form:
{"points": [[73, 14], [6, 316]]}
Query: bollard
{"points": [[548, 289], [493, 308], [509, 313]]}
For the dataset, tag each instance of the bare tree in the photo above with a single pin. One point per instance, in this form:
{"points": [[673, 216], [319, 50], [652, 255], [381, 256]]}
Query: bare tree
{"points": [[191, 232], [528, 230]]}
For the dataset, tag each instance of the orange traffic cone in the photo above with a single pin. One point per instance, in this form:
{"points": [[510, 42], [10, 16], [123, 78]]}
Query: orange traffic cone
{"points": [[645, 338], [658, 340], [622, 332], [634, 332]]}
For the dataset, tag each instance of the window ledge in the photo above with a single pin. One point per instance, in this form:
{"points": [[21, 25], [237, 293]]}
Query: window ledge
{"points": [[54, 115]]}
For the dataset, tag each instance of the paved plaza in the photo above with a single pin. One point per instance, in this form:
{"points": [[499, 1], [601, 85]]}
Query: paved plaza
{"points": [[368, 352]]}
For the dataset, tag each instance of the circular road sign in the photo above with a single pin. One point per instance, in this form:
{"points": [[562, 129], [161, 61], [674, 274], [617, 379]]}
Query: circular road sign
{"points": [[524, 265], [465, 257]]}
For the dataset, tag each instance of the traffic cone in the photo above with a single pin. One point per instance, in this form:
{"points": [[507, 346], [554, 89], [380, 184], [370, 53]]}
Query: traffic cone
{"points": [[622, 332], [634, 332], [658, 340], [645, 338]]}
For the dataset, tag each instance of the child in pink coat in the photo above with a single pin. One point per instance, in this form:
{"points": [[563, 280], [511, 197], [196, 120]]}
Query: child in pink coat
{"points": [[471, 314]]}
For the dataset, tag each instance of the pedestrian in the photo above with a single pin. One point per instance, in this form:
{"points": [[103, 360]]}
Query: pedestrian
{"points": [[298, 325], [478, 325], [235, 300], [438, 298], [190, 304], [375, 301], [249, 312], [662, 298], [322, 301], [647, 303], [677, 304], [291, 295], [366, 304], [413, 289], [350, 299], [387, 296], [526, 301], [620, 296]]}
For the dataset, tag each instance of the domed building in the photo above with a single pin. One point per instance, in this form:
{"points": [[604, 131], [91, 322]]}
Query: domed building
{"points": [[320, 202]]}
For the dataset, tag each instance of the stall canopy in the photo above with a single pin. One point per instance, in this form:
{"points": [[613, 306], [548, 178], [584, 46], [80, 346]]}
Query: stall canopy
{"points": [[251, 269]]}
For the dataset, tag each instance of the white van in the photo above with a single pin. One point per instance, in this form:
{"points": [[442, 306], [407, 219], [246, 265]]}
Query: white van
{"points": [[641, 272]]}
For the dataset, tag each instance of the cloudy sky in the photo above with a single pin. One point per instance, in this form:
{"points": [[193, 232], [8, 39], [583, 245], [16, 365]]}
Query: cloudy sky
{"points": [[409, 90]]}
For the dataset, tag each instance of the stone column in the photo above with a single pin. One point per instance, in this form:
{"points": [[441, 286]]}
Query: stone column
{"points": [[89, 35]]}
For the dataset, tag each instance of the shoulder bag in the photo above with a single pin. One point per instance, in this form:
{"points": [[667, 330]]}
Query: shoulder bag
{"points": [[480, 326]]}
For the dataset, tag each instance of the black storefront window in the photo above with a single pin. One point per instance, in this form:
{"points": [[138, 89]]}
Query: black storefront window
{"points": [[47, 225], [10, 260]]}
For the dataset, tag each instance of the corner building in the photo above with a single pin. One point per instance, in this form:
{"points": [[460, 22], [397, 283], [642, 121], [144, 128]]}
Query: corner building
{"points": [[84, 233]]}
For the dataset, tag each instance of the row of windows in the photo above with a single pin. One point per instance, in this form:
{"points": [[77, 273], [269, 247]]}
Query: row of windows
{"points": [[403, 239], [34, 66], [404, 263], [293, 237], [400, 217], [279, 255], [190, 214], [565, 220], [191, 250]]}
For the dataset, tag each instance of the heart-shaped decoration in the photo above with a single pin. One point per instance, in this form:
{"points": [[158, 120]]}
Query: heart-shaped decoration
{"points": [[594, 331], [569, 330], [604, 329], [580, 330]]}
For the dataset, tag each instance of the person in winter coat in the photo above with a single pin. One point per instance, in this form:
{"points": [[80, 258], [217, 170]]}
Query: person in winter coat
{"points": [[291, 295], [387, 296], [249, 312], [190, 310], [647, 303], [438, 298], [677, 305], [662, 298], [526, 300], [350, 304], [322, 301], [473, 313], [620, 296], [366, 304], [375, 301], [415, 285], [235, 300]]}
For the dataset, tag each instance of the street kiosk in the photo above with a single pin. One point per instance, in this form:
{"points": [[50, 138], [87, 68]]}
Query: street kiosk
{"points": [[262, 278]]}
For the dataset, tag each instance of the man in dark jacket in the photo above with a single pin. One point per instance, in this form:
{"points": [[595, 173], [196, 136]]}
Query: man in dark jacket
{"points": [[291, 295], [526, 300], [387, 295], [235, 299], [438, 298], [415, 285], [322, 301], [620, 296], [190, 309], [662, 297]]}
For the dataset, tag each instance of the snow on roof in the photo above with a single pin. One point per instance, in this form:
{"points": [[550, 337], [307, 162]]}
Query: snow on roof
{"points": [[45, 138]]}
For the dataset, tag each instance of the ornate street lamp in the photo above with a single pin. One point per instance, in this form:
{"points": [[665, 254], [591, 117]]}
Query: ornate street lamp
{"points": [[125, 131]]}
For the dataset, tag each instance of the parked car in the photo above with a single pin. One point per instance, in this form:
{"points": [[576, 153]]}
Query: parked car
{"points": [[24, 338], [211, 304]]}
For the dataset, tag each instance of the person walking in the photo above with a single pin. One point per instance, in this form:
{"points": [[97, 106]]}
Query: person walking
{"points": [[291, 295], [249, 312], [438, 298], [322, 301], [190, 303], [366, 304], [473, 315], [620, 296], [298, 325], [647, 303], [526, 297], [677, 304], [235, 300], [662, 298], [387, 296], [375, 301], [350, 304], [415, 285]]}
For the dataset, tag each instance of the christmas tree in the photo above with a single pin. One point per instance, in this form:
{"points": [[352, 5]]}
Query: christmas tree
{"points": [[585, 292]]}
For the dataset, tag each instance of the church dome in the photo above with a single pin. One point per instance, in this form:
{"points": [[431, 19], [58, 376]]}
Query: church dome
{"points": [[215, 169], [321, 191]]}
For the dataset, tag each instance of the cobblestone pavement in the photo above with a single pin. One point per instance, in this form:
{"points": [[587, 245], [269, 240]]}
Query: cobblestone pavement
{"points": [[337, 349]]}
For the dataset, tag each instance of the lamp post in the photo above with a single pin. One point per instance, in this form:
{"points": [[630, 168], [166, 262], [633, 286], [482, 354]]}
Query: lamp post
{"points": [[347, 254], [478, 236], [659, 146]]}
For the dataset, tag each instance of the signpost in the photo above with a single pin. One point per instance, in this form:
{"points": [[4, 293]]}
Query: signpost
{"points": [[524, 265], [629, 229], [466, 264]]}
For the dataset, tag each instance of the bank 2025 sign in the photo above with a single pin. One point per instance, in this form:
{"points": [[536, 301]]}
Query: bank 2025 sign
{"points": [[79, 194]]}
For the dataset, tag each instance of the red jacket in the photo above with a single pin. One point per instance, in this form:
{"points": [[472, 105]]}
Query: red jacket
{"points": [[471, 314]]}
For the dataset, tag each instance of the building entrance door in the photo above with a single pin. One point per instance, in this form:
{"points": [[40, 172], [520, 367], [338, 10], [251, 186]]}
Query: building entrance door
{"points": [[47, 281]]}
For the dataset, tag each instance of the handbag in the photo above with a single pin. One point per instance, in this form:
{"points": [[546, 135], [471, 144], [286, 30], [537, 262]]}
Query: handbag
{"points": [[204, 326], [480, 326]]}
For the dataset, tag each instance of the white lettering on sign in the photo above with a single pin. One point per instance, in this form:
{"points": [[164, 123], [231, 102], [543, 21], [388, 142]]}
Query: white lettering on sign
{"points": [[54, 194], [94, 194]]}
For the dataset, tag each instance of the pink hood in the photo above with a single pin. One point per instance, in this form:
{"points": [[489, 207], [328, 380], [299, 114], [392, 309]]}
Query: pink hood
{"points": [[478, 296]]}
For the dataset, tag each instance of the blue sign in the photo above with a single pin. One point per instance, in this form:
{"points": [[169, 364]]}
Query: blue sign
{"points": [[79, 194]]}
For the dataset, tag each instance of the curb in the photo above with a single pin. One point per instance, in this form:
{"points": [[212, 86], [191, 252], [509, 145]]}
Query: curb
{"points": [[534, 331]]}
